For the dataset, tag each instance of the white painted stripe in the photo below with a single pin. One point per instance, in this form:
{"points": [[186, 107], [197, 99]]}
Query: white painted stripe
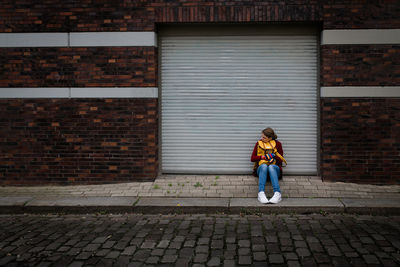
{"points": [[81, 39], [113, 39], [42, 92], [33, 39], [84, 92], [368, 36], [360, 91], [115, 92]]}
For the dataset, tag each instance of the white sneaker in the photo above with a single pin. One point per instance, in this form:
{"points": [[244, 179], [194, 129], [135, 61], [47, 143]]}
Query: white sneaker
{"points": [[276, 198], [262, 197]]}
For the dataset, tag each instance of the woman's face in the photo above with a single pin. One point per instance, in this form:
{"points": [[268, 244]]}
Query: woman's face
{"points": [[265, 138]]}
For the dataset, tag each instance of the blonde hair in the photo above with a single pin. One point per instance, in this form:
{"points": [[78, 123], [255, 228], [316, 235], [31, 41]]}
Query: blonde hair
{"points": [[269, 132]]}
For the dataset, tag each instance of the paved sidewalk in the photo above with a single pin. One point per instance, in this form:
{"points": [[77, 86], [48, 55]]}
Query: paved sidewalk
{"points": [[213, 186], [204, 194]]}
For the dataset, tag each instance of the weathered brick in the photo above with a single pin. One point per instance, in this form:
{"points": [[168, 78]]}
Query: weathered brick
{"points": [[77, 151]]}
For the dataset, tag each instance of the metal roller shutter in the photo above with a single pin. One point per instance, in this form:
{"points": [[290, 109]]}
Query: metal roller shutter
{"points": [[219, 92]]}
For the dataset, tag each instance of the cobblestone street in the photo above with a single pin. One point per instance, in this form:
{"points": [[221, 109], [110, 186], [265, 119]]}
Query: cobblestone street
{"points": [[199, 240]]}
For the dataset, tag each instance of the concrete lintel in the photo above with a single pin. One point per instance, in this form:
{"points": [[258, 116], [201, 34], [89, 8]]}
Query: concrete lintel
{"points": [[35, 92], [79, 92], [86, 39], [39, 39], [360, 36], [114, 92], [360, 91]]}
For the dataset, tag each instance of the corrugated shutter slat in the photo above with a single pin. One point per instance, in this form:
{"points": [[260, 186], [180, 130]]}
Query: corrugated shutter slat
{"points": [[219, 92]]}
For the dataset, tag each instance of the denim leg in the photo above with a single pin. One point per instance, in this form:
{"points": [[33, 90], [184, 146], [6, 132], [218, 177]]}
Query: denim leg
{"points": [[262, 177], [274, 172]]}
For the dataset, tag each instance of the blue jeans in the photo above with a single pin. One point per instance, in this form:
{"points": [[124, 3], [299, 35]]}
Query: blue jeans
{"points": [[271, 171]]}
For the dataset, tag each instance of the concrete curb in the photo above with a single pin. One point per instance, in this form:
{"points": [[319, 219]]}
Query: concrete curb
{"points": [[80, 205]]}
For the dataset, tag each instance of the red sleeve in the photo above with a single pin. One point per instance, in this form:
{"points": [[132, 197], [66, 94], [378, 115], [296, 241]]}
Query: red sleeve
{"points": [[280, 151], [254, 157]]}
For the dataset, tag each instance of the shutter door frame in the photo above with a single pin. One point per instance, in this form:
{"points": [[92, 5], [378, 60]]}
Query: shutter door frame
{"points": [[204, 31]]}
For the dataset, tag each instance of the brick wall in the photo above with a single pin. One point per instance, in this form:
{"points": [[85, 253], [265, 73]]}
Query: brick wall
{"points": [[361, 14], [79, 67], [360, 140], [75, 16], [93, 142], [354, 65], [70, 141]]}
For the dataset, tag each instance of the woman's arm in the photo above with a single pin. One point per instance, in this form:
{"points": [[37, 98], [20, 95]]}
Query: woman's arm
{"points": [[280, 151], [254, 157]]}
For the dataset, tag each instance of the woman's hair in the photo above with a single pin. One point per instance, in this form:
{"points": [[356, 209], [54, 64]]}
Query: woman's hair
{"points": [[270, 133]]}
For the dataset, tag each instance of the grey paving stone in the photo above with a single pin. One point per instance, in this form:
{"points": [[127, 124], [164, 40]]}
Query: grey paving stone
{"points": [[179, 239], [170, 252], [148, 245], [321, 258], [244, 243], [333, 251], [214, 261], [182, 262], [244, 251], [113, 255], [229, 263], [200, 258], [91, 247], [129, 251], [84, 256], [189, 243], [293, 264], [202, 249], [157, 252], [108, 244], [163, 244], [229, 254], [175, 245], [102, 252], [370, 259], [217, 244], [186, 253], [276, 258], [303, 252], [259, 256], [258, 247], [245, 260], [230, 240], [291, 256], [76, 264], [203, 241], [169, 258]]}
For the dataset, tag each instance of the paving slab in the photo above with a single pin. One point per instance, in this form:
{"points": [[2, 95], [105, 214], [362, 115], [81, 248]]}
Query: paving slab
{"points": [[372, 206], [182, 205], [290, 205]]}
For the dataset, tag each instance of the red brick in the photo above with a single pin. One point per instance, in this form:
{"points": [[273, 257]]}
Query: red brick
{"points": [[77, 152]]}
